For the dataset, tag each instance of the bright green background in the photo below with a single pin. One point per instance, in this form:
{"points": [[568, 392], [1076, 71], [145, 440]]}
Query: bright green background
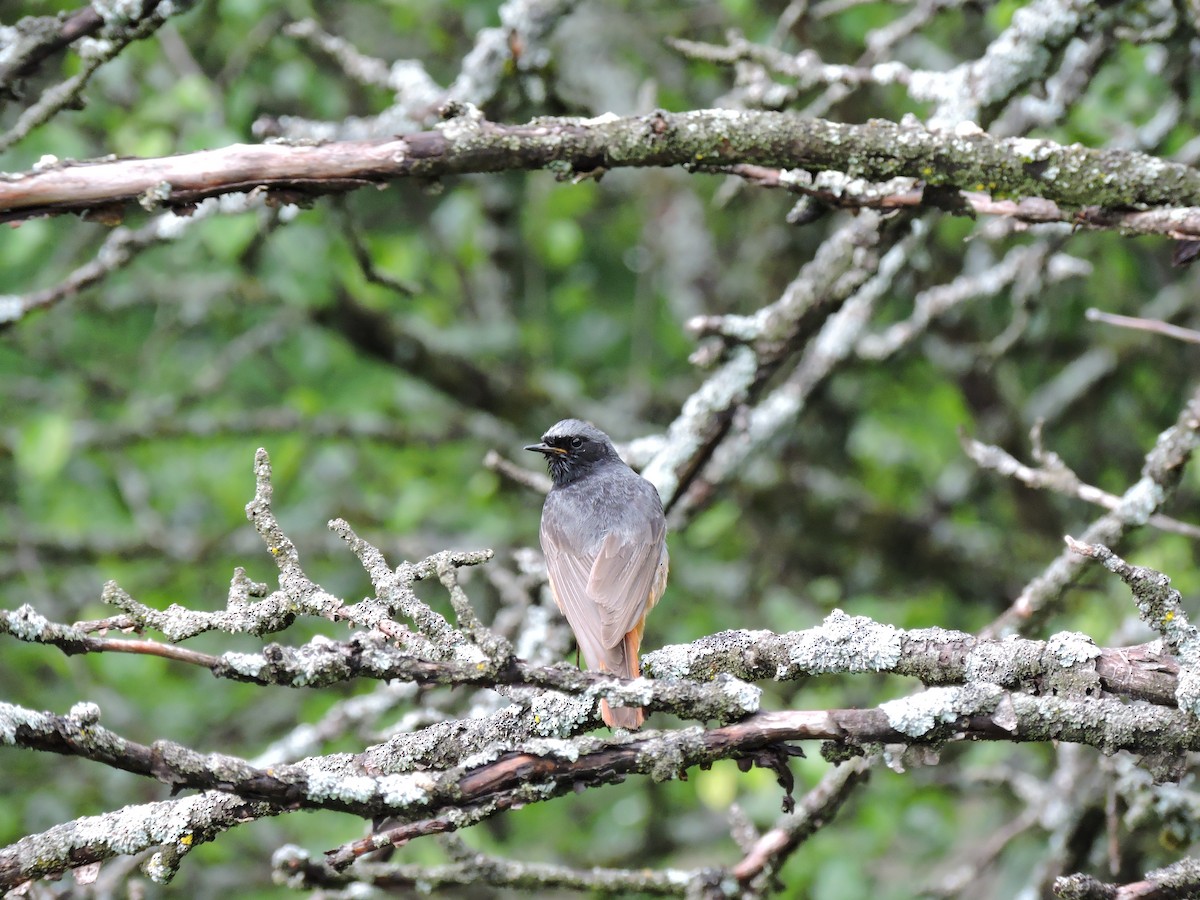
{"points": [[129, 416]]}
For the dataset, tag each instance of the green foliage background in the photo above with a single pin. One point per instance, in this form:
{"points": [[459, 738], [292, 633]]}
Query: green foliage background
{"points": [[129, 415]]}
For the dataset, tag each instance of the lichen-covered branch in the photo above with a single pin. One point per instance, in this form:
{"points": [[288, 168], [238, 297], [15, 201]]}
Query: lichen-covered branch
{"points": [[541, 770], [1179, 880], [297, 869], [962, 159], [753, 348], [836, 190], [855, 644], [1161, 607]]}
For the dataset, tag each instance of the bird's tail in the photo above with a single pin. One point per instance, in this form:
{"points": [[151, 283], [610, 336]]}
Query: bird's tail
{"points": [[630, 717], [623, 660]]}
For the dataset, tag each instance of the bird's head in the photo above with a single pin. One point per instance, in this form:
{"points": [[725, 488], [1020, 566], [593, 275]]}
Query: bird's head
{"points": [[572, 448]]}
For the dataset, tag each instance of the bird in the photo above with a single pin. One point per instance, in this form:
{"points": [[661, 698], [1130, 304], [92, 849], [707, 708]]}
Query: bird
{"points": [[604, 535]]}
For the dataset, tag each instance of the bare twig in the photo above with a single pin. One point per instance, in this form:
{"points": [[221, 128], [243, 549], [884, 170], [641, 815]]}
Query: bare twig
{"points": [[1154, 326], [1055, 475], [535, 481], [817, 809], [1161, 472]]}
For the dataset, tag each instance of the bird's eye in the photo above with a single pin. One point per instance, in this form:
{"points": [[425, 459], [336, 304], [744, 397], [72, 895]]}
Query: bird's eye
{"points": [[576, 443]]}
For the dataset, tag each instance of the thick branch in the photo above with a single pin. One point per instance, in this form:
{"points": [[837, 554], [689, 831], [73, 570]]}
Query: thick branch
{"points": [[703, 679], [877, 150], [855, 644], [548, 769], [1175, 882]]}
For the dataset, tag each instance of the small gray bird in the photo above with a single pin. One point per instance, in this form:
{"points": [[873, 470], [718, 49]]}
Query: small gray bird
{"points": [[605, 540]]}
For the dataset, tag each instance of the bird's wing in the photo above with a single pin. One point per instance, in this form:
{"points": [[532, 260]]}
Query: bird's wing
{"points": [[630, 566], [569, 572]]}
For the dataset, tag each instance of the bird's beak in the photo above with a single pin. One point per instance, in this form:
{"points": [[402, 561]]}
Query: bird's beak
{"points": [[546, 449]]}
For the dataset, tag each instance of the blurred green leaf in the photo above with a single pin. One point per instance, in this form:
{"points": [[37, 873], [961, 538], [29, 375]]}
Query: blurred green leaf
{"points": [[44, 445]]}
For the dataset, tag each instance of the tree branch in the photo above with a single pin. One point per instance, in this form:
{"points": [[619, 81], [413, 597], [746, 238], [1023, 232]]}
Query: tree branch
{"points": [[877, 151], [1175, 882], [544, 769], [301, 871], [39, 38]]}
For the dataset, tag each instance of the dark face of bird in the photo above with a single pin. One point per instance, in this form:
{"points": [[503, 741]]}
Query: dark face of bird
{"points": [[572, 448]]}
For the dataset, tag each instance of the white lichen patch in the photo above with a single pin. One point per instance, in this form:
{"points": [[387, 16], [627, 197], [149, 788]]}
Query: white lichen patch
{"points": [[555, 714], [340, 786], [9, 37], [916, 716], [672, 661], [251, 665], [408, 789], [470, 654], [118, 12], [743, 696], [134, 828], [11, 308], [712, 115], [1187, 690], [179, 622], [1030, 150], [27, 623], [157, 870], [464, 126], [989, 662], [376, 653], [1071, 648], [93, 48], [12, 717], [483, 757], [553, 748], [602, 119], [843, 643], [1142, 500], [741, 328], [637, 692], [85, 712]]}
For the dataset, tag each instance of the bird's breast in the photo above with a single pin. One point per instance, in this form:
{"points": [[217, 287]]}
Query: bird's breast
{"points": [[605, 501]]}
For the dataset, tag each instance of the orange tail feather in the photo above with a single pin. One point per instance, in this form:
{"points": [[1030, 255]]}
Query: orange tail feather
{"points": [[630, 717]]}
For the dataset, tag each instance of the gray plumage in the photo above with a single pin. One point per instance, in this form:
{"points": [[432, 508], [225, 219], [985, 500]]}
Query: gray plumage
{"points": [[604, 536]]}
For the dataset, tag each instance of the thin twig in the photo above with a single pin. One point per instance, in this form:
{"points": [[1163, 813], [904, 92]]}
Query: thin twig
{"points": [[1152, 325]]}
